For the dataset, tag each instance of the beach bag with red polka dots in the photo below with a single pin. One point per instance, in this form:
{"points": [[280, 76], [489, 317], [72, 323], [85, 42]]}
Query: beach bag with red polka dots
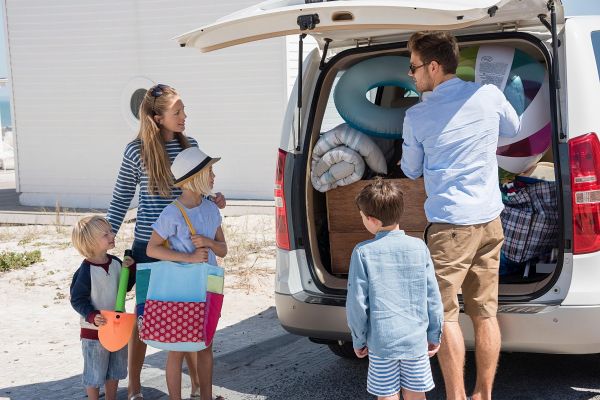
{"points": [[183, 305]]}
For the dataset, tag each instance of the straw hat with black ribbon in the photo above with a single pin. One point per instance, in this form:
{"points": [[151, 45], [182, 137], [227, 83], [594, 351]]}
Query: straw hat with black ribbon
{"points": [[189, 163]]}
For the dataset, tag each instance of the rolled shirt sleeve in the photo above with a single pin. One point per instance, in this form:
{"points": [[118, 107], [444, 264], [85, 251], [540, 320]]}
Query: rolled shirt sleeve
{"points": [[412, 152]]}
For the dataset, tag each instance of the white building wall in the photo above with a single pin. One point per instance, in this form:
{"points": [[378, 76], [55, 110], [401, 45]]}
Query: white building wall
{"points": [[74, 66]]}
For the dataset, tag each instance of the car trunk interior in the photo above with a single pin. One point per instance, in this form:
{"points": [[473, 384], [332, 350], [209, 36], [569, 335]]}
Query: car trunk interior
{"points": [[333, 223]]}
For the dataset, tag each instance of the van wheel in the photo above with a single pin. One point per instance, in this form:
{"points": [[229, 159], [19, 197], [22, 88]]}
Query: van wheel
{"points": [[343, 349]]}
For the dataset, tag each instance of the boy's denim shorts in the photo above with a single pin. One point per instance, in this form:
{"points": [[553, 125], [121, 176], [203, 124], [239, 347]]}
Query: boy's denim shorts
{"points": [[101, 365]]}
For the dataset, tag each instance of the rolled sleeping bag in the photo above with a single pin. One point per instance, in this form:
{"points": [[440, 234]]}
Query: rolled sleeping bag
{"points": [[338, 167], [339, 158]]}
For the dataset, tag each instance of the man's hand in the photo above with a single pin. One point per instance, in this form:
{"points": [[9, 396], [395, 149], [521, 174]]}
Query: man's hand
{"points": [[432, 349], [361, 353], [219, 200], [200, 241], [99, 320], [199, 255]]}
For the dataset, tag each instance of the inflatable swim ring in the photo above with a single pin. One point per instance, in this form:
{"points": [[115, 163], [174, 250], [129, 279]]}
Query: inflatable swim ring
{"points": [[522, 78], [350, 95]]}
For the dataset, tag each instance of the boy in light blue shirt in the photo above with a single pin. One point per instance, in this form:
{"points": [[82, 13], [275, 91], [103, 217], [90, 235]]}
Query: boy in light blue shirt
{"points": [[394, 308]]}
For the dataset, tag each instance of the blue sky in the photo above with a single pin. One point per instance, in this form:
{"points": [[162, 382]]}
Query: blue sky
{"points": [[581, 7]]}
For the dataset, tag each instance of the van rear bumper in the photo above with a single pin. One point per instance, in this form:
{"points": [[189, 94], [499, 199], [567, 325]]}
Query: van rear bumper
{"points": [[315, 320], [561, 329]]}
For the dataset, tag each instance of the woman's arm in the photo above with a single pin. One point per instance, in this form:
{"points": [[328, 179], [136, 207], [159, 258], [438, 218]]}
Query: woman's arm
{"points": [[156, 249], [123, 193], [218, 245]]}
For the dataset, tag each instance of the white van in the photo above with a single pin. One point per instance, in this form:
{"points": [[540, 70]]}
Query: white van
{"points": [[554, 311]]}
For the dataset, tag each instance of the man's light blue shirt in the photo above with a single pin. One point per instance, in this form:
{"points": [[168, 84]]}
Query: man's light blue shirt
{"points": [[393, 304], [451, 139]]}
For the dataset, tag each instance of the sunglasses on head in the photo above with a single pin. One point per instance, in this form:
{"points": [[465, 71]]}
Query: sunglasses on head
{"points": [[157, 91]]}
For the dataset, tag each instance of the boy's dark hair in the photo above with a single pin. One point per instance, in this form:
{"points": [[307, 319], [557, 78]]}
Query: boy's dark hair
{"points": [[439, 46], [382, 200]]}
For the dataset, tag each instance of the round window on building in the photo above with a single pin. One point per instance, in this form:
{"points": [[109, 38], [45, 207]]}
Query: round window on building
{"points": [[132, 95], [136, 102]]}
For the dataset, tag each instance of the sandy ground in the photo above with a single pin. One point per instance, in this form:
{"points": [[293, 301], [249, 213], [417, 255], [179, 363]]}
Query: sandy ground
{"points": [[39, 330], [255, 359]]}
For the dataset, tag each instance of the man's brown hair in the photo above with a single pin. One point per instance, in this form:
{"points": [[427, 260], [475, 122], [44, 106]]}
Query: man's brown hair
{"points": [[383, 200], [439, 46]]}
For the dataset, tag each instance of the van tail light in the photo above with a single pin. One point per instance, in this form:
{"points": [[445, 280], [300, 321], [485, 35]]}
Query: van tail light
{"points": [[282, 237], [584, 157]]}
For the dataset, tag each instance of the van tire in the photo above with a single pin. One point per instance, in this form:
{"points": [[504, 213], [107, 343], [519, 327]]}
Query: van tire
{"points": [[343, 349]]}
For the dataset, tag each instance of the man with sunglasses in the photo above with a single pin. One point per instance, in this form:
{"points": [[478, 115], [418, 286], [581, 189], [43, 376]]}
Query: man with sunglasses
{"points": [[450, 138]]}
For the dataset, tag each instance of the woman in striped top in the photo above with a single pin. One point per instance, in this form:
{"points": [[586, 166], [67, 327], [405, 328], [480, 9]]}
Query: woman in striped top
{"points": [[146, 163]]}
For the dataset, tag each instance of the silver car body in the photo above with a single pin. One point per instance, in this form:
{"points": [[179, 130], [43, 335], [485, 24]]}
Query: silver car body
{"points": [[562, 318]]}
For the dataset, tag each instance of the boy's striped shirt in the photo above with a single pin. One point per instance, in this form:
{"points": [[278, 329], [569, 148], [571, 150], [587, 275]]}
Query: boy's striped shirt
{"points": [[130, 175]]}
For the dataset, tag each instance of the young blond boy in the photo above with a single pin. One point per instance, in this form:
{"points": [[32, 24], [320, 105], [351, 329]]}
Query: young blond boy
{"points": [[94, 288], [394, 307]]}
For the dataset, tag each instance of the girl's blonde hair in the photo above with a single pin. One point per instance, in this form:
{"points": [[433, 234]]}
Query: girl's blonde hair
{"points": [[86, 233], [154, 153], [200, 183]]}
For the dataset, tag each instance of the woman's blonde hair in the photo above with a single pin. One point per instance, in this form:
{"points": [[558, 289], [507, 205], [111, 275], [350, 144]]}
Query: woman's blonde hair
{"points": [[154, 153], [86, 233], [200, 183]]}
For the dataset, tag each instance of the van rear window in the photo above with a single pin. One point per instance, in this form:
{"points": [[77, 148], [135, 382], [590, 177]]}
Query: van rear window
{"points": [[596, 45]]}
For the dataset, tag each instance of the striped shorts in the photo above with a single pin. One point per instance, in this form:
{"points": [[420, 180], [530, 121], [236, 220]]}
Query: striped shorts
{"points": [[386, 377]]}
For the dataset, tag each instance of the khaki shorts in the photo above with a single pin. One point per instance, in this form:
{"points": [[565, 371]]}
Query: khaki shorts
{"points": [[467, 257]]}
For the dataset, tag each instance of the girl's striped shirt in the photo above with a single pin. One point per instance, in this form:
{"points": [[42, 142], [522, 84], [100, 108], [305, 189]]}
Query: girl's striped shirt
{"points": [[131, 174]]}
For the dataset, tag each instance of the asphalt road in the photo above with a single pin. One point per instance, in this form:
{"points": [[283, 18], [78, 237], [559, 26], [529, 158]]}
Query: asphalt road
{"points": [[257, 359]]}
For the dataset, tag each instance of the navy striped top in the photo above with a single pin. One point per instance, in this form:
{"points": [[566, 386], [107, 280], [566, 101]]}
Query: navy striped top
{"points": [[131, 174]]}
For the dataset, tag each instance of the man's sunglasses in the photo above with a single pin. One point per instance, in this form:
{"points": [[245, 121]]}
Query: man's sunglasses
{"points": [[157, 91], [413, 68]]}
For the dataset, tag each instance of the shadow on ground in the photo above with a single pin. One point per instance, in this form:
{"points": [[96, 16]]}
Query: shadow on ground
{"points": [[257, 359]]}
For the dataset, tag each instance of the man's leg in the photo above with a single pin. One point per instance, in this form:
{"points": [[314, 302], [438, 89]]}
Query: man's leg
{"points": [[481, 304], [452, 249], [452, 361], [487, 350]]}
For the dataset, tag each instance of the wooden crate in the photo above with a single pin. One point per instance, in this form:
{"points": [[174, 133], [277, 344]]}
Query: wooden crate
{"points": [[342, 245], [345, 225]]}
